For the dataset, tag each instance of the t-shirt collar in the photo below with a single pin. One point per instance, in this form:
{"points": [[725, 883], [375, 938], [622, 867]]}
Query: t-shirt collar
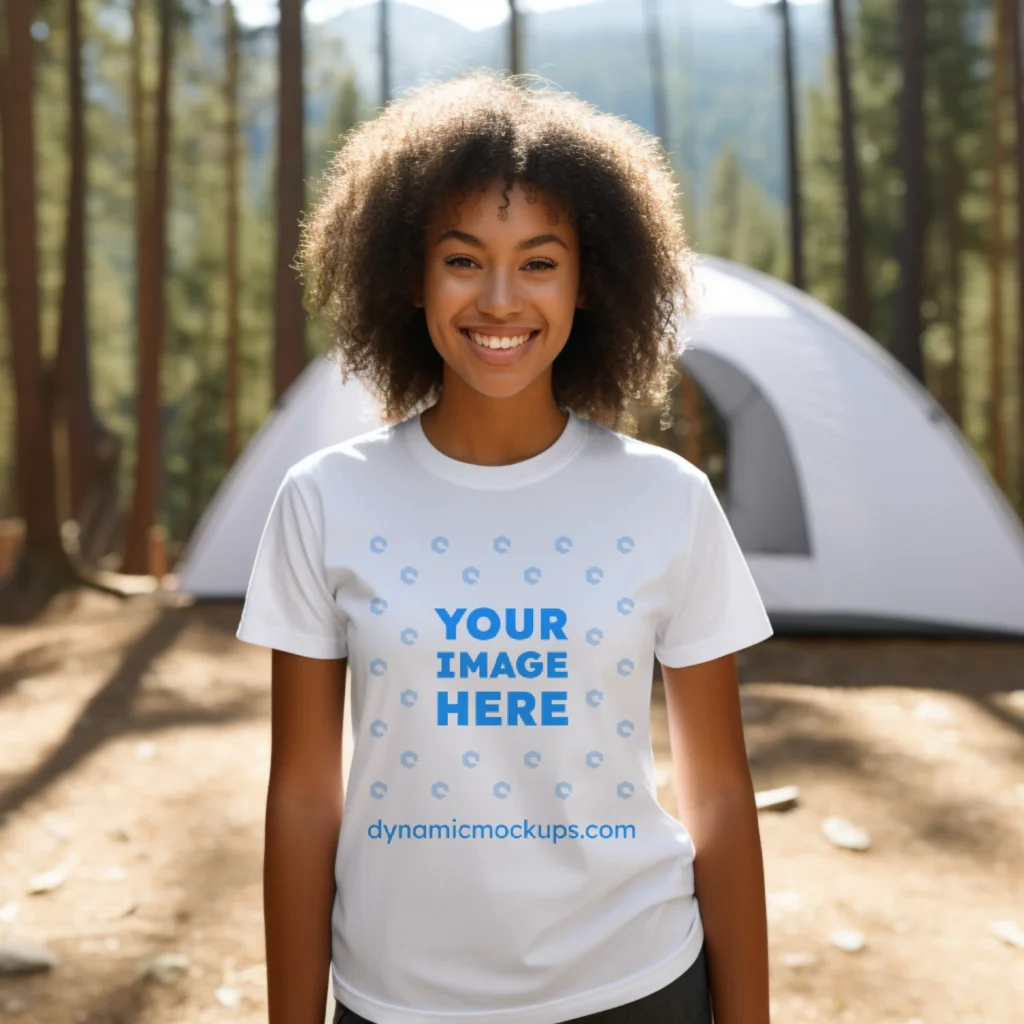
{"points": [[515, 474]]}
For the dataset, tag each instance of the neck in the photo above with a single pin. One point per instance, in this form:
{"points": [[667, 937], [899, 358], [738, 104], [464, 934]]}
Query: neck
{"points": [[472, 427]]}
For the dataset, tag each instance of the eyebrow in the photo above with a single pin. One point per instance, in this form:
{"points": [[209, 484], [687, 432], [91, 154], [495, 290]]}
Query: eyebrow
{"points": [[529, 243]]}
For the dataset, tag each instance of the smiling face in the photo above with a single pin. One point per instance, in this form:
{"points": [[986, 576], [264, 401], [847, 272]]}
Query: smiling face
{"points": [[501, 283]]}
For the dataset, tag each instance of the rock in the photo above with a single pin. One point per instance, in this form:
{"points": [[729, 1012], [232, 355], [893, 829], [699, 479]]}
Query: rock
{"points": [[14, 1005], [849, 940], [1009, 932], [754, 710], [841, 832], [781, 799], [229, 997], [798, 959], [47, 881], [164, 967], [24, 956], [146, 750], [932, 711], [786, 901], [8, 912]]}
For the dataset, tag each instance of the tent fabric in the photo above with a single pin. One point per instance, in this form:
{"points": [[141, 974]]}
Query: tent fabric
{"points": [[859, 505]]}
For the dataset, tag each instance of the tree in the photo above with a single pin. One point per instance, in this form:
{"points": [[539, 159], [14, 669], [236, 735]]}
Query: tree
{"points": [[858, 302], [152, 231], [1016, 61], [515, 37], [907, 340], [384, 47], [92, 451], [43, 559], [231, 270], [997, 383], [656, 71], [796, 219], [289, 315]]}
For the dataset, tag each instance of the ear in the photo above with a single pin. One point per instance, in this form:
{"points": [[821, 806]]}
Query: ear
{"points": [[581, 299], [417, 294]]}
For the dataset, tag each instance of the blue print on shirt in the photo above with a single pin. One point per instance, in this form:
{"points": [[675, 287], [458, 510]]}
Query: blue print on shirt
{"points": [[486, 707]]}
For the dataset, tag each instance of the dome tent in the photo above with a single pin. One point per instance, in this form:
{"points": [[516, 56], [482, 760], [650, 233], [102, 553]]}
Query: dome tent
{"points": [[857, 502]]}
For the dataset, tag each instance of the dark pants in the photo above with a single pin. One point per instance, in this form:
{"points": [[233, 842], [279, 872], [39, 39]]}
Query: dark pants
{"points": [[687, 1000]]}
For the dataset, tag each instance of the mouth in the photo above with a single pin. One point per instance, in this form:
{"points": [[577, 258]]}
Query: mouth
{"points": [[494, 340]]}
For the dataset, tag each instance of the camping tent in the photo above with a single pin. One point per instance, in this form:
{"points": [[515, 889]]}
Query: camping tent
{"points": [[857, 502]]}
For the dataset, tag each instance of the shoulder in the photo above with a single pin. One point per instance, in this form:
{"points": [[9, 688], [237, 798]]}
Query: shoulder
{"points": [[649, 469], [337, 468]]}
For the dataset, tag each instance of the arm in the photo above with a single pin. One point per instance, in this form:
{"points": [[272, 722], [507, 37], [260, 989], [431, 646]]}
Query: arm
{"points": [[304, 809], [716, 804]]}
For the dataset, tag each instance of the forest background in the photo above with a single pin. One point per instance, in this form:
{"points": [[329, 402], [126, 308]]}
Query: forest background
{"points": [[180, 161]]}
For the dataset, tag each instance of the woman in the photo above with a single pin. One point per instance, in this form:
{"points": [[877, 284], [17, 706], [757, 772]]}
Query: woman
{"points": [[498, 567]]}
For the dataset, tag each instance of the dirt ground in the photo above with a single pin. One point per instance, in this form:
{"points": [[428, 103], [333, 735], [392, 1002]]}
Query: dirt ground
{"points": [[134, 750]]}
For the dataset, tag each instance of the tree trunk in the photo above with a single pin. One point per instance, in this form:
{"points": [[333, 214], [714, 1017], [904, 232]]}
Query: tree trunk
{"points": [[997, 428], [1016, 60], [289, 315], [92, 451], [858, 301], [151, 318], [384, 48], [907, 341], [953, 184], [796, 217], [232, 270], [515, 37], [43, 554], [656, 70]]}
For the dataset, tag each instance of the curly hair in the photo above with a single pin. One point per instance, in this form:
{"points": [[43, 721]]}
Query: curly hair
{"points": [[362, 246]]}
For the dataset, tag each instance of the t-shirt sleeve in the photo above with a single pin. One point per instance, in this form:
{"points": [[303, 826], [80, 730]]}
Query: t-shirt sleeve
{"points": [[289, 604], [713, 607]]}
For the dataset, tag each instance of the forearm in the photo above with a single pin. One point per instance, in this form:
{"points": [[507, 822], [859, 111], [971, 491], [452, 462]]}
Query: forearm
{"points": [[729, 880], [298, 896]]}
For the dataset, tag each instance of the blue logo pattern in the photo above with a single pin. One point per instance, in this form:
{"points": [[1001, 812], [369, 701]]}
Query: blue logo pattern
{"points": [[594, 697]]}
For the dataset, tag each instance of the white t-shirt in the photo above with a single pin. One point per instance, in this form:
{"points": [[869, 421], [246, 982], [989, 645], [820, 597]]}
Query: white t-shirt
{"points": [[503, 857]]}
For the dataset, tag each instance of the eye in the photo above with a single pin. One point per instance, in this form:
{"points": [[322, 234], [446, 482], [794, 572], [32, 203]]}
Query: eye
{"points": [[458, 261], [540, 263]]}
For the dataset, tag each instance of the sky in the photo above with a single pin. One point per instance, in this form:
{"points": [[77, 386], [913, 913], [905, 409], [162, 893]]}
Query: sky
{"points": [[473, 14]]}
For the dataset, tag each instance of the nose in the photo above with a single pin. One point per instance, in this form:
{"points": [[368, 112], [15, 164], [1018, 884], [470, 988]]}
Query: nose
{"points": [[499, 296]]}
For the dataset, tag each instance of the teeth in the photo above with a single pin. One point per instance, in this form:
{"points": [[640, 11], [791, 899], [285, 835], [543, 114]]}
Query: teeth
{"points": [[490, 341]]}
